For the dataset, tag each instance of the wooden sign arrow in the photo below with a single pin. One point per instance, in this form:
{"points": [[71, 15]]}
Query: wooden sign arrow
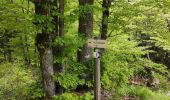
{"points": [[93, 43]]}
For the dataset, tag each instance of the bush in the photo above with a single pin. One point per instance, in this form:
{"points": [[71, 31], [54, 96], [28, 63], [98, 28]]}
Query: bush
{"points": [[72, 96], [145, 93], [15, 82]]}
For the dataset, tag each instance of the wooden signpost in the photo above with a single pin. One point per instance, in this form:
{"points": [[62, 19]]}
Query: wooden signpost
{"points": [[97, 45]]}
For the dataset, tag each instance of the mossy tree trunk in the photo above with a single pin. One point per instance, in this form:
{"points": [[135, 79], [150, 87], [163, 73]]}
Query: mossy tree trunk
{"points": [[43, 41]]}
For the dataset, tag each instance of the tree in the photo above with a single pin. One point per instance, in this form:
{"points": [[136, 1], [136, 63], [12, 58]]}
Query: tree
{"points": [[43, 42], [58, 50], [85, 27], [105, 18], [59, 28]]}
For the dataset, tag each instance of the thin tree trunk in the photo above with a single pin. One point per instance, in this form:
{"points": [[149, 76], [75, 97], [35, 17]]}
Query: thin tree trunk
{"points": [[104, 30], [104, 27], [8, 49], [25, 44], [61, 30], [25, 50], [59, 50], [43, 41]]}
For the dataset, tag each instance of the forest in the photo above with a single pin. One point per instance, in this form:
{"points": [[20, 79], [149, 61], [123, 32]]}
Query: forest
{"points": [[45, 52]]}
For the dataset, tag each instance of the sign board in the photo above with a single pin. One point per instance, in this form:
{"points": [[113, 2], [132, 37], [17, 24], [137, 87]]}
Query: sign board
{"points": [[93, 43]]}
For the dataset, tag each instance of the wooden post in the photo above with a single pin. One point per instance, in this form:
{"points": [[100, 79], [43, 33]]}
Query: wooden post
{"points": [[97, 44], [97, 85]]}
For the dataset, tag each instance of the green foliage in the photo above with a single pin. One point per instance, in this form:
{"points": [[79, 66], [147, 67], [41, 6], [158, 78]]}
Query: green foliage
{"points": [[13, 19], [141, 92], [38, 91], [43, 22], [68, 81], [85, 9], [144, 93], [66, 96], [15, 82], [123, 58], [163, 85], [15, 25], [72, 96], [120, 60]]}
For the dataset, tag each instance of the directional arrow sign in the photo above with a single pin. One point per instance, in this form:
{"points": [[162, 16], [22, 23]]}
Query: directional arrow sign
{"points": [[96, 43]]}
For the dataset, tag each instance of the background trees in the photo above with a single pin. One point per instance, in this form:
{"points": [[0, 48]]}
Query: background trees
{"points": [[43, 52]]}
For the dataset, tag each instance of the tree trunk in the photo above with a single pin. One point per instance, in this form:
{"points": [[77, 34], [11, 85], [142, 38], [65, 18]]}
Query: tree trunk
{"points": [[61, 30], [25, 48], [86, 30], [24, 38], [104, 30], [43, 41], [59, 50]]}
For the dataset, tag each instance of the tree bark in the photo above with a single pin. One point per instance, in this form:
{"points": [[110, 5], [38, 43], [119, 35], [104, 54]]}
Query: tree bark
{"points": [[25, 48], [61, 30], [43, 41], [104, 30], [86, 30], [59, 50]]}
